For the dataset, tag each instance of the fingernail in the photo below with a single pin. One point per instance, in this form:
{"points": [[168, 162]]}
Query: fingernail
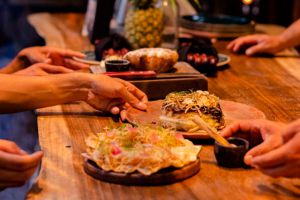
{"points": [[142, 106], [248, 159], [83, 55], [48, 61], [248, 53]]}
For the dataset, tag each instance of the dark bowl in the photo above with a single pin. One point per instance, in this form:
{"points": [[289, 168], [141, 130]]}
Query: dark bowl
{"points": [[117, 65], [232, 157]]}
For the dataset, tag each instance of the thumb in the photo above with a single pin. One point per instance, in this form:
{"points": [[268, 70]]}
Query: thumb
{"points": [[263, 148], [48, 61], [259, 48], [132, 100]]}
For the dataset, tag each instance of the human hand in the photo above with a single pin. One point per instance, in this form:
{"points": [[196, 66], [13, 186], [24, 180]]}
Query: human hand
{"points": [[257, 44], [114, 95], [253, 130], [54, 56], [41, 69], [16, 166], [283, 161]]}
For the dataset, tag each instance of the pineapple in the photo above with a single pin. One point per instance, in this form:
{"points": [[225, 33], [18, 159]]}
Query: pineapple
{"points": [[144, 24]]}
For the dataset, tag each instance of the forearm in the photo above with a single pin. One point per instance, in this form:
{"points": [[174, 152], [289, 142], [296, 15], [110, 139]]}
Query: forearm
{"points": [[291, 36], [18, 93]]}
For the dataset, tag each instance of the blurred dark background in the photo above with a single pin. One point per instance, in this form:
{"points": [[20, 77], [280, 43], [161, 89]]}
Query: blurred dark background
{"points": [[16, 33]]}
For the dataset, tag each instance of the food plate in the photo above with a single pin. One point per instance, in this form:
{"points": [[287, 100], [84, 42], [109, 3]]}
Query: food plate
{"points": [[233, 111], [91, 60], [162, 177], [223, 60]]}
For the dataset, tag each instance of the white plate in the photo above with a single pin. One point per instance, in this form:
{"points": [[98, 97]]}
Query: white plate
{"points": [[223, 60]]}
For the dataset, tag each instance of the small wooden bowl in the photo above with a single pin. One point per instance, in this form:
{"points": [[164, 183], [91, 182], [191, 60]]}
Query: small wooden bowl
{"points": [[231, 157]]}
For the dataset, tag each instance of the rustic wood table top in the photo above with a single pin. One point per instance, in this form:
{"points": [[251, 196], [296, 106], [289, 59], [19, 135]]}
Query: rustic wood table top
{"points": [[270, 84]]}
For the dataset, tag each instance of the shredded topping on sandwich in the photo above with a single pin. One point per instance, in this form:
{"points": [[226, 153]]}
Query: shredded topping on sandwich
{"points": [[183, 105]]}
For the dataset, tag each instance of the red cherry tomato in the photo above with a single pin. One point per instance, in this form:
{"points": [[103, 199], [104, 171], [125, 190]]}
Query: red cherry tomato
{"points": [[190, 57]]}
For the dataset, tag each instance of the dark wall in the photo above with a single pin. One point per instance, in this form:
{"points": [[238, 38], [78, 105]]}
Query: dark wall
{"points": [[14, 26], [270, 11]]}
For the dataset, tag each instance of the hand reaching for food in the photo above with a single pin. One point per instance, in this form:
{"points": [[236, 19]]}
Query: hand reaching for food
{"points": [[112, 95], [257, 44], [16, 165], [265, 44], [279, 153], [51, 55]]}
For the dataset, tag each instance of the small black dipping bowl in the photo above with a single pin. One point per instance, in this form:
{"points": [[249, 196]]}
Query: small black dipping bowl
{"points": [[232, 157], [117, 65]]}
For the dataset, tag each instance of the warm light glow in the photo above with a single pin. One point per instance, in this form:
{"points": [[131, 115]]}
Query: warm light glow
{"points": [[247, 2]]}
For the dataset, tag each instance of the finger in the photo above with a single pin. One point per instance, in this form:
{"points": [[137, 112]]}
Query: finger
{"points": [[123, 115], [114, 106], [234, 42], [56, 59], [16, 176], [74, 64], [245, 42], [259, 48], [132, 99], [48, 61], [39, 72], [66, 52], [291, 130], [19, 162], [230, 45], [271, 159], [241, 126], [55, 69], [135, 91], [38, 57], [261, 149], [115, 110], [10, 147]]}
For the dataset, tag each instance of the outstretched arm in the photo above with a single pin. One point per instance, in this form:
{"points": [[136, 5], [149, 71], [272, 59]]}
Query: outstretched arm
{"points": [[262, 43], [44, 55], [18, 93], [291, 36]]}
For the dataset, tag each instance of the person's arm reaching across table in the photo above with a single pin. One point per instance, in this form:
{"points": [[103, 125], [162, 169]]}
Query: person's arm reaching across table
{"points": [[266, 44], [18, 93], [279, 153], [43, 61]]}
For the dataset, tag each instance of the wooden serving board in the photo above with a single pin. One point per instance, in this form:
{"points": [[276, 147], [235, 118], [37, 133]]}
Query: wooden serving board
{"points": [[233, 111], [162, 177]]}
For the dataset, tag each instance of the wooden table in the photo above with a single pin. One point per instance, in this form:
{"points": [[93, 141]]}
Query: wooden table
{"points": [[270, 84]]}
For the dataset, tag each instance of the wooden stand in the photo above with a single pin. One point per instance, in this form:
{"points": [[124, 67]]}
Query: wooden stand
{"points": [[162, 177]]}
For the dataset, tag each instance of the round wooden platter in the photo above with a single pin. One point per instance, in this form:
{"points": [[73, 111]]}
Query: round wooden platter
{"points": [[162, 177], [233, 111]]}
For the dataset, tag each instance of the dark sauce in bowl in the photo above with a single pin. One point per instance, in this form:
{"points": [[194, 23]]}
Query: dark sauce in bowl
{"points": [[117, 65]]}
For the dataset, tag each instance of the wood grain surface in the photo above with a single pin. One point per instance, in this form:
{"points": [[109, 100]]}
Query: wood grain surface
{"points": [[269, 84]]}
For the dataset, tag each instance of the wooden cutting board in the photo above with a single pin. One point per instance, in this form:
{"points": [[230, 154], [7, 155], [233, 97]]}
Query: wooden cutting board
{"points": [[162, 177], [233, 111]]}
